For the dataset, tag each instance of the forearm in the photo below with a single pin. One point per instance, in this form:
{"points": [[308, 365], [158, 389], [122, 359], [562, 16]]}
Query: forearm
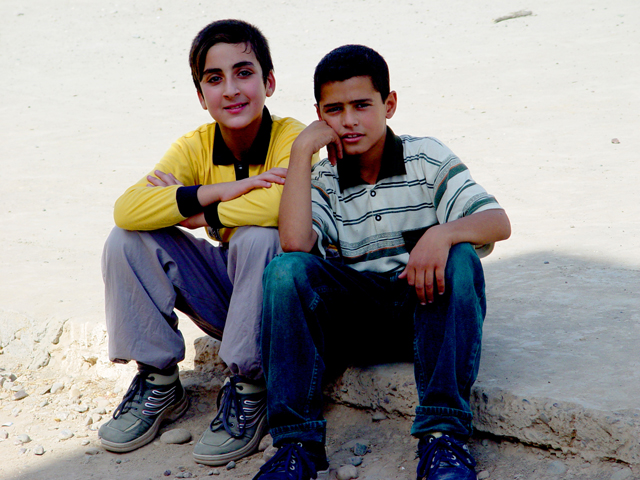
{"points": [[296, 233], [478, 229]]}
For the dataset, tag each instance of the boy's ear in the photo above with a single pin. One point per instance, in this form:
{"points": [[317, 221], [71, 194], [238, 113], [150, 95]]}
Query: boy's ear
{"points": [[391, 103], [201, 98], [271, 84]]}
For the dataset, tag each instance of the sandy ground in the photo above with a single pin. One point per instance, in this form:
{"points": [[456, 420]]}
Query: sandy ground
{"points": [[94, 92]]}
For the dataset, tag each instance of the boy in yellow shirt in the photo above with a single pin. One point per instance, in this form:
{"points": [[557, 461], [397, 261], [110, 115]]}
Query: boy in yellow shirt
{"points": [[226, 176]]}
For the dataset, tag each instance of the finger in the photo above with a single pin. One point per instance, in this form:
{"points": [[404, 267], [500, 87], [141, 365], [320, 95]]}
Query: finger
{"points": [[338, 144], [420, 287], [331, 153], [440, 280], [428, 284], [155, 182]]}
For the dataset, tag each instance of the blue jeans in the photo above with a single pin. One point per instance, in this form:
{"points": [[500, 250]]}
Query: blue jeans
{"points": [[320, 316]]}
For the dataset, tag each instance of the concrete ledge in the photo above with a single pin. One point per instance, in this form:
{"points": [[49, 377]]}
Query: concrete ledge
{"points": [[569, 427]]}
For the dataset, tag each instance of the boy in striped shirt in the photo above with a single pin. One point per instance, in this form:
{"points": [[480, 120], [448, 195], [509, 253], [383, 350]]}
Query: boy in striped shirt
{"points": [[381, 239]]}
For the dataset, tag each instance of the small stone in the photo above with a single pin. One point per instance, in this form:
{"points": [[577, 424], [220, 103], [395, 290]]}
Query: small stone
{"points": [[269, 453], [215, 471], [81, 408], [16, 411], [44, 403], [485, 442], [39, 450], [265, 443], [355, 461], [556, 468], [4, 435], [347, 472], [176, 436], [74, 392], [615, 140], [57, 387], [22, 439], [360, 449], [61, 416], [22, 451], [44, 390], [20, 394], [167, 473], [231, 465], [622, 474], [65, 434], [378, 416], [92, 451], [184, 475], [483, 475], [88, 420], [96, 417], [85, 442]]}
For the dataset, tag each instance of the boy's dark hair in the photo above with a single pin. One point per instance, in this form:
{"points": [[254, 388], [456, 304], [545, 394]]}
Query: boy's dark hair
{"points": [[233, 32], [350, 61]]}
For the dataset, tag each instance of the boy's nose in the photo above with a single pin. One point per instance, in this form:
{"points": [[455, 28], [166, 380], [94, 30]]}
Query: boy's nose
{"points": [[349, 119], [230, 89]]}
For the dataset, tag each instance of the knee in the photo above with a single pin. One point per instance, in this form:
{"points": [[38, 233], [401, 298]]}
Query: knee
{"points": [[118, 241], [252, 237], [464, 267], [286, 270]]}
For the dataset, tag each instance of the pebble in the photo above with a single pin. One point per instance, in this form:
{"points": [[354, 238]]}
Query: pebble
{"points": [[176, 436], [44, 403], [231, 465], [622, 474], [347, 472], [16, 411], [85, 442], [355, 461], [4, 434], [378, 416], [39, 450], [22, 439], [556, 468], [265, 443], [215, 471], [483, 475], [485, 442], [65, 434], [167, 473], [184, 475], [81, 408], [92, 451], [615, 140], [61, 416], [57, 387], [269, 453], [20, 394], [360, 449]]}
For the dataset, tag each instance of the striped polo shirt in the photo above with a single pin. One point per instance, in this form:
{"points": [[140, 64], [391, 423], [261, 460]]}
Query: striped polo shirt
{"points": [[374, 227]]}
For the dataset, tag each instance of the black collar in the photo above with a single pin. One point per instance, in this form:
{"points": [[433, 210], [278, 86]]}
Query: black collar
{"points": [[392, 164], [257, 154]]}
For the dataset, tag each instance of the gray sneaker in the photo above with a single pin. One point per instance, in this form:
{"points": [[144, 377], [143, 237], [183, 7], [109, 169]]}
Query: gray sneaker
{"points": [[152, 399], [239, 425]]}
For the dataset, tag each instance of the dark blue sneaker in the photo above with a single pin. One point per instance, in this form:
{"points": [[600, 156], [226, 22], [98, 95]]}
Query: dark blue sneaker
{"points": [[444, 458], [295, 461]]}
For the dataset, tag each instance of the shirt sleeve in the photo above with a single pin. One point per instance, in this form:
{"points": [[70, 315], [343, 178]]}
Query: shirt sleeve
{"points": [[324, 188]]}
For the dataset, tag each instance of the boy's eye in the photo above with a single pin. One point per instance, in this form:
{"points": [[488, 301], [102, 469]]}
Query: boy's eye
{"points": [[362, 105], [245, 73], [332, 109], [214, 79]]}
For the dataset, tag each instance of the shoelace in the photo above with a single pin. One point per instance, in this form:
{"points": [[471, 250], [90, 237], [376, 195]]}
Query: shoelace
{"points": [[292, 458], [227, 398], [136, 388], [445, 448]]}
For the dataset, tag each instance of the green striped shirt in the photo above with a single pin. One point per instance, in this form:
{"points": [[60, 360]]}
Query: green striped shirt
{"points": [[373, 227]]}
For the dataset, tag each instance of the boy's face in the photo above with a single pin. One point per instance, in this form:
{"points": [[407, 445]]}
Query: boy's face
{"points": [[233, 90], [356, 112]]}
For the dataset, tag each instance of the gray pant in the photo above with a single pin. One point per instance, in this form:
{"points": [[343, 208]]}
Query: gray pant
{"points": [[148, 274]]}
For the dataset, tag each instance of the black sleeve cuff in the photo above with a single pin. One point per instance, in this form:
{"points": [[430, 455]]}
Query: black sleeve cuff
{"points": [[211, 216], [187, 199]]}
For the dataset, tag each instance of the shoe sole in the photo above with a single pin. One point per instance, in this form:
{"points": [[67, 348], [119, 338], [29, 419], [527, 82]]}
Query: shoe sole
{"points": [[168, 416], [248, 449]]}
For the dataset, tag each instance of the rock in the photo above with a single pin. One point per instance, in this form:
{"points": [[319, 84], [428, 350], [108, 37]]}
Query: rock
{"points": [[615, 140], [92, 451], [39, 450], [4, 435], [269, 453], [215, 471], [556, 468], [96, 417], [355, 461], [483, 475], [16, 411], [85, 442], [167, 473], [44, 403], [57, 387], [74, 393], [22, 439], [20, 394], [378, 416], [622, 474], [176, 436], [265, 443], [184, 475], [65, 434], [347, 472], [360, 449], [44, 390], [81, 408], [231, 465]]}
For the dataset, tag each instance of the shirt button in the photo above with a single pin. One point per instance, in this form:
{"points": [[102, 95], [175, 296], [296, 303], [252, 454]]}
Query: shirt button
{"points": [[378, 218], [373, 193]]}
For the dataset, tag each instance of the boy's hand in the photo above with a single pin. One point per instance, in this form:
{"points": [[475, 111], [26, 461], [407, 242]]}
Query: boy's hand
{"points": [[317, 135], [230, 190], [194, 222], [427, 263], [163, 180]]}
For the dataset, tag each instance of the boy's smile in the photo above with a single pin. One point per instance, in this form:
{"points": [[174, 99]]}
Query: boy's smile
{"points": [[354, 109], [233, 89]]}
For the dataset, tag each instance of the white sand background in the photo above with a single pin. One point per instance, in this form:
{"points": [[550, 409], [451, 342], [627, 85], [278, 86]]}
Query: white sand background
{"points": [[93, 93]]}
